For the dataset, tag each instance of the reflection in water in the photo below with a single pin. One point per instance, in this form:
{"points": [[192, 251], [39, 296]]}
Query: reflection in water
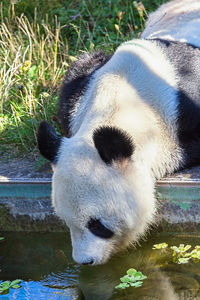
{"points": [[166, 280], [44, 263], [100, 283]]}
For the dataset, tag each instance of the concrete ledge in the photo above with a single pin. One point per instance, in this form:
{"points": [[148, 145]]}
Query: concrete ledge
{"points": [[179, 208], [25, 204]]}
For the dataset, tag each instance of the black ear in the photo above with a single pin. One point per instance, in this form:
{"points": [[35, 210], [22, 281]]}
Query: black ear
{"points": [[48, 141], [112, 143]]}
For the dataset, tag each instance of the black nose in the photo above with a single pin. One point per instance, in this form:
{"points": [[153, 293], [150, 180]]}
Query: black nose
{"points": [[89, 262]]}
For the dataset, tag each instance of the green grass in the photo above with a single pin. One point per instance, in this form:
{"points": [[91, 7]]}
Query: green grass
{"points": [[38, 41]]}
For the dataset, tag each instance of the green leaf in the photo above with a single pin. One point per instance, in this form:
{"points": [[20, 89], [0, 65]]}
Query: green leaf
{"points": [[189, 254], [5, 284], [183, 260], [184, 248], [139, 276], [176, 249], [160, 246], [143, 277], [1, 238], [174, 259], [16, 281], [125, 278], [4, 289], [131, 271], [15, 286], [122, 286], [193, 255], [132, 279], [187, 247], [136, 284]]}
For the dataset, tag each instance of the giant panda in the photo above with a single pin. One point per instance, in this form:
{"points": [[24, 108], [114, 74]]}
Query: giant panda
{"points": [[128, 119]]}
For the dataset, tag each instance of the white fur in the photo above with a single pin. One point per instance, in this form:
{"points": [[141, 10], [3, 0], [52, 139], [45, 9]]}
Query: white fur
{"points": [[135, 91], [177, 20]]}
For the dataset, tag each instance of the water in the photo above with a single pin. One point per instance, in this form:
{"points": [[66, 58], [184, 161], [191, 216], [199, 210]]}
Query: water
{"points": [[43, 262]]}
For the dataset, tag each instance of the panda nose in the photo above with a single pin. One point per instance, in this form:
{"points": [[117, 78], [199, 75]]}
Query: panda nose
{"points": [[89, 262]]}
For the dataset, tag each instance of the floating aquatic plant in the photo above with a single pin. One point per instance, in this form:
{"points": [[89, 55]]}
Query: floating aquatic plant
{"points": [[160, 246], [6, 285], [132, 278], [180, 254]]}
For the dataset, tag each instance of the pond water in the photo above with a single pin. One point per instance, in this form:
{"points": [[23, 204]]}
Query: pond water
{"points": [[43, 262]]}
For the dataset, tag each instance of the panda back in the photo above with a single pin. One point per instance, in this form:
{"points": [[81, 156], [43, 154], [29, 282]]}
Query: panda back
{"points": [[185, 59], [177, 20]]}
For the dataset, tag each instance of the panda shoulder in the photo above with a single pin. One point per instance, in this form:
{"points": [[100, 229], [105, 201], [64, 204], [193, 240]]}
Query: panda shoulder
{"points": [[75, 84]]}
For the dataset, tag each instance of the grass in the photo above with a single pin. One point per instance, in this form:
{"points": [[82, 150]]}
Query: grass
{"points": [[38, 41]]}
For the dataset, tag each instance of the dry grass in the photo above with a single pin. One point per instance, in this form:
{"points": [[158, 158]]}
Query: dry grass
{"points": [[35, 53], [32, 62]]}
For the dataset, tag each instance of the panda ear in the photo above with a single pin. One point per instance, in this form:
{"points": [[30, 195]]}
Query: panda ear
{"points": [[112, 143], [48, 141]]}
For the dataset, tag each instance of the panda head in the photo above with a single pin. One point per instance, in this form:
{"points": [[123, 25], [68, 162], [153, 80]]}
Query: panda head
{"points": [[93, 190]]}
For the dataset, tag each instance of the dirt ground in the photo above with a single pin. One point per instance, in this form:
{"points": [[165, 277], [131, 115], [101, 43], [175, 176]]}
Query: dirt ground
{"points": [[35, 167], [24, 167], [193, 173]]}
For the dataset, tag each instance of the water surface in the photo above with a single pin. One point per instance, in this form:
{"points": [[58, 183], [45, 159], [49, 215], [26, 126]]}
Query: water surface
{"points": [[43, 262]]}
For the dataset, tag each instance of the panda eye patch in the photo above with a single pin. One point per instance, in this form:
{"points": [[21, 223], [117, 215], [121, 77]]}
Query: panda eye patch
{"points": [[98, 229]]}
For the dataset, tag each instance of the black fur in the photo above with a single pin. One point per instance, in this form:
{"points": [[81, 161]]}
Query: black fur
{"points": [[186, 60], [48, 141], [75, 84], [112, 143], [98, 229]]}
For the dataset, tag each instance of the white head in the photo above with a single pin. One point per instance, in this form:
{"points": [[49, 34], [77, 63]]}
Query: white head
{"points": [[93, 190]]}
